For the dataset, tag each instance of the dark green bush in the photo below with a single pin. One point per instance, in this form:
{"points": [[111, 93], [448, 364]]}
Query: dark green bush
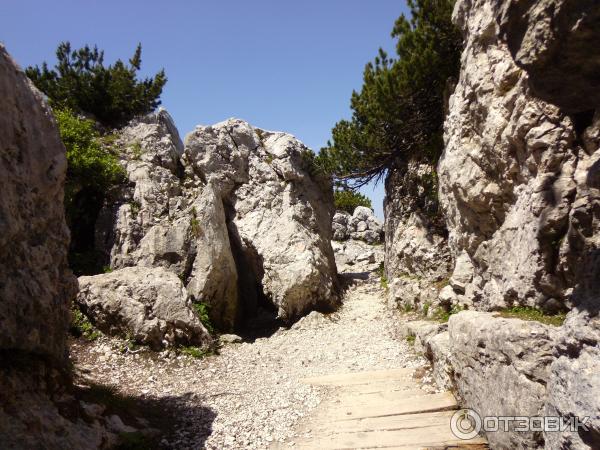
{"points": [[92, 172], [348, 200], [398, 113], [81, 83]]}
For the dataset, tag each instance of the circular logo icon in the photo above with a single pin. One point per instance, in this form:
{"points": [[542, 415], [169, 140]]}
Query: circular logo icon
{"points": [[465, 424]]}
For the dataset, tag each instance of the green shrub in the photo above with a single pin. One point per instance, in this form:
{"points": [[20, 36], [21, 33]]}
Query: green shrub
{"points": [[82, 83], [92, 172], [202, 311], [347, 200], [443, 315], [81, 325]]}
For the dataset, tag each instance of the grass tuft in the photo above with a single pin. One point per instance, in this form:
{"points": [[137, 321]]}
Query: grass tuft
{"points": [[533, 315]]}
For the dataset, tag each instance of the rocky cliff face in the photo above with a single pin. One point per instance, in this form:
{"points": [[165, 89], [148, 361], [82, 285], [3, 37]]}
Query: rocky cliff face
{"points": [[417, 259], [35, 282], [513, 177], [36, 285], [236, 213], [518, 188]]}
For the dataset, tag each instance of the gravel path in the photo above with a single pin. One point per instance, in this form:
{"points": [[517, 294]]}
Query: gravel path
{"points": [[250, 395]]}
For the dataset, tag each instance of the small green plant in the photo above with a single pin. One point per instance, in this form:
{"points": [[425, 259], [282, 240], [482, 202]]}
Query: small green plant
{"points": [[107, 269], [261, 136], [441, 284], [443, 315], [407, 307], [533, 314], [269, 158], [202, 311], [426, 307], [195, 227], [136, 150], [195, 352], [134, 207], [81, 325], [410, 339]]}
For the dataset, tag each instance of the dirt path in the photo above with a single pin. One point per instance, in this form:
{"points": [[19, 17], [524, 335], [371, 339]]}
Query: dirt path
{"points": [[251, 395]]}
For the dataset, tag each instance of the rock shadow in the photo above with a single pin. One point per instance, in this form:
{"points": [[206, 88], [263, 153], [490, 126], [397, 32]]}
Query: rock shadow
{"points": [[167, 422]]}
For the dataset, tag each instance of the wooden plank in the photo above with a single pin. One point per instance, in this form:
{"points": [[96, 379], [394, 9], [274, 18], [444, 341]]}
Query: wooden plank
{"points": [[418, 438], [346, 379], [412, 405], [397, 422], [350, 398]]}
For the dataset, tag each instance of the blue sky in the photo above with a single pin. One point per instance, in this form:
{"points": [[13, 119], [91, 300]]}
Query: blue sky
{"points": [[280, 65]]}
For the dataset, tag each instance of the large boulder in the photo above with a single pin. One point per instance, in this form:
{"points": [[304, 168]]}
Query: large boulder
{"points": [[501, 368], [237, 213], [149, 305], [166, 218], [279, 213], [36, 285], [361, 225]]}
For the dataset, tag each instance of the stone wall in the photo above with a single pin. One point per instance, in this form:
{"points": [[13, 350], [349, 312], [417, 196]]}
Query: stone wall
{"points": [[519, 193]]}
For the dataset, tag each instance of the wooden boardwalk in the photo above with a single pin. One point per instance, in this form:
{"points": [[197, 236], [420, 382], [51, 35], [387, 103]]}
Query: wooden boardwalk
{"points": [[381, 409]]}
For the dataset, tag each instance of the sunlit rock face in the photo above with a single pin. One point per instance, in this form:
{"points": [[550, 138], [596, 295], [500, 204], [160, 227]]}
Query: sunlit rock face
{"points": [[520, 191], [516, 177], [237, 213]]}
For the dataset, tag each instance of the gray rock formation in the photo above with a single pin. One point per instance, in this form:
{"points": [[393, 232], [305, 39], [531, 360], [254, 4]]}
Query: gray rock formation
{"points": [[360, 225], [501, 367], [35, 282], [558, 45], [36, 286], [279, 213], [417, 259], [354, 256], [519, 195], [236, 213], [150, 305], [163, 219], [515, 195]]}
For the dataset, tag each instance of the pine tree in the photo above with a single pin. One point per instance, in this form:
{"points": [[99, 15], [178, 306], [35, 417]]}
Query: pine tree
{"points": [[398, 113], [81, 83]]}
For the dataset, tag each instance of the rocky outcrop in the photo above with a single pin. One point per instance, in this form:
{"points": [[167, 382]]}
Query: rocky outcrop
{"points": [[361, 225], [501, 368], [150, 305], [417, 259], [515, 176], [557, 43], [279, 212], [237, 213], [357, 257], [163, 219], [519, 196], [36, 285]]}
